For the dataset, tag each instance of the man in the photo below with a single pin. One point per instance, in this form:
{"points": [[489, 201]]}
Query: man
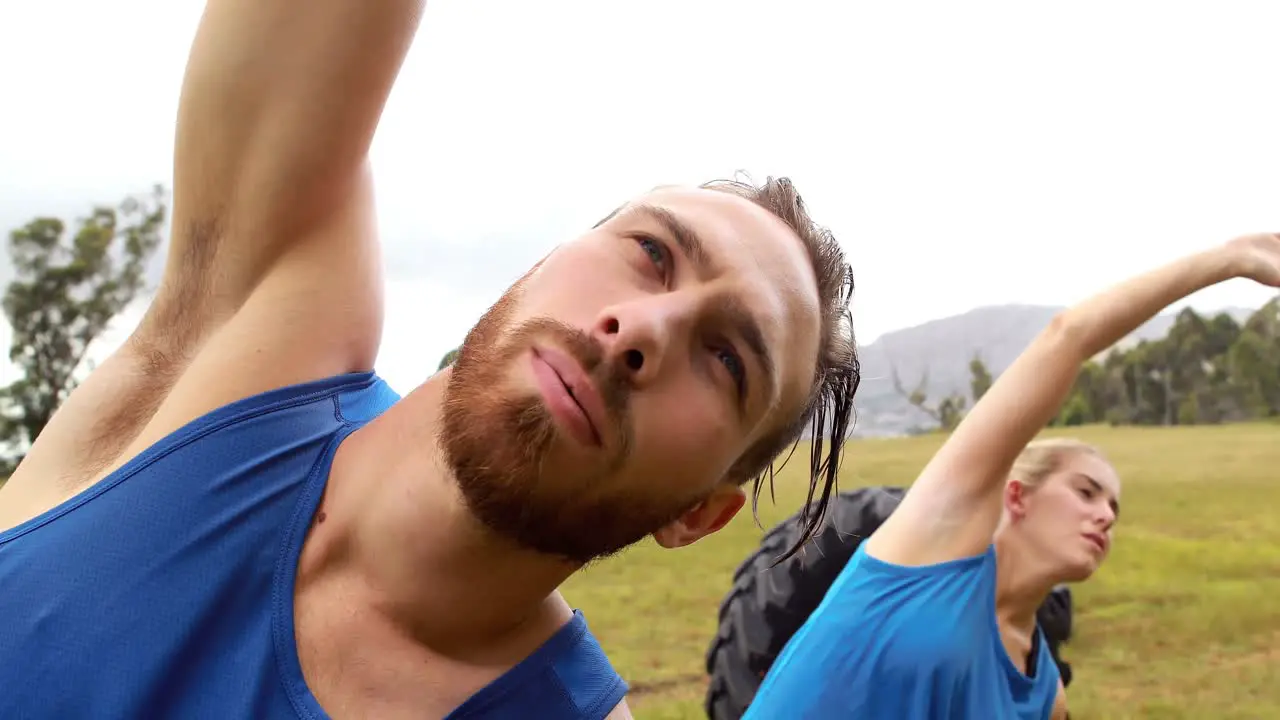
{"points": [[234, 517]]}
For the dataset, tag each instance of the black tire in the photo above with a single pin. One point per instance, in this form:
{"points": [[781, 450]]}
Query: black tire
{"points": [[767, 605], [1055, 619]]}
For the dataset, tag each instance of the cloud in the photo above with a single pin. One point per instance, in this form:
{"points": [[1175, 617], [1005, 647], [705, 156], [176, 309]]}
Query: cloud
{"points": [[972, 154]]}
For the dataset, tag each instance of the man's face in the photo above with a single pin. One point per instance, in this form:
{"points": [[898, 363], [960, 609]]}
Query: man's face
{"points": [[607, 394]]}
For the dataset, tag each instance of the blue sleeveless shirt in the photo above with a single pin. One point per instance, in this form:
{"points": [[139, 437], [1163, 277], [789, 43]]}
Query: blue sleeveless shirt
{"points": [[166, 590], [906, 643]]}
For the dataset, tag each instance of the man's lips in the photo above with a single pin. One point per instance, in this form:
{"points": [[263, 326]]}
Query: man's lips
{"points": [[1098, 540], [579, 386]]}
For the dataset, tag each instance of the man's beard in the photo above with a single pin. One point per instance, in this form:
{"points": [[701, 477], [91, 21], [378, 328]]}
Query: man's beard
{"points": [[498, 442]]}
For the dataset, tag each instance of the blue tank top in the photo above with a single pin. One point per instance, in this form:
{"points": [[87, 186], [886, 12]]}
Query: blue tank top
{"points": [[166, 590], [908, 643]]}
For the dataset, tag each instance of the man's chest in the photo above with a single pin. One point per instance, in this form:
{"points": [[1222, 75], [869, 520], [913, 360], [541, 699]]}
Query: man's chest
{"points": [[358, 666], [129, 639]]}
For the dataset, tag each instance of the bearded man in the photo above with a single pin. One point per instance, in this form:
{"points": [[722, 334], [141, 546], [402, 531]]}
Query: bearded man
{"points": [[235, 517]]}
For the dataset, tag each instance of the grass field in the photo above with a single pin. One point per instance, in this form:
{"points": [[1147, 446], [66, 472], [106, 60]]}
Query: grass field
{"points": [[1182, 622]]}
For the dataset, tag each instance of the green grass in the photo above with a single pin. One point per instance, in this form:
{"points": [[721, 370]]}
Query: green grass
{"points": [[1182, 622]]}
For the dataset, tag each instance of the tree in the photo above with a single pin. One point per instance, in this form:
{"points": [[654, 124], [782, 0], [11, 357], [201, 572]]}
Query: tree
{"points": [[1075, 411], [979, 378], [1254, 362], [1256, 374], [448, 359], [1098, 390], [1205, 370], [948, 412], [68, 287]]}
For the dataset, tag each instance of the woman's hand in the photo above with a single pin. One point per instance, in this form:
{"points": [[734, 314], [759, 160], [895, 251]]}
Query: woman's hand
{"points": [[1257, 257]]}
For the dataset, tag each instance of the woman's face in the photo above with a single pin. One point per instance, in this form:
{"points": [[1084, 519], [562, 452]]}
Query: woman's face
{"points": [[1069, 518]]}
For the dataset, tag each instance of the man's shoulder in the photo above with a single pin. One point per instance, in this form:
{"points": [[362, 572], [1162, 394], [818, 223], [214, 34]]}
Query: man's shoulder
{"points": [[583, 670], [568, 677]]}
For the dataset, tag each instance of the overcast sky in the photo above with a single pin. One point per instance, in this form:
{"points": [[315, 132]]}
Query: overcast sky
{"points": [[964, 153]]}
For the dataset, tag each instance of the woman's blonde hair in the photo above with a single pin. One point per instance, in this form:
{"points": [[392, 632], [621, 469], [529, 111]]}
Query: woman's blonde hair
{"points": [[1041, 458]]}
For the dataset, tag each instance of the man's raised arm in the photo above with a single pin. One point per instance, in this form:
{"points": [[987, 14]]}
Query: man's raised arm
{"points": [[273, 275], [279, 106]]}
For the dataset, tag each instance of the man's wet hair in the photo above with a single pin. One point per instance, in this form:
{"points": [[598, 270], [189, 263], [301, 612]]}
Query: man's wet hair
{"points": [[827, 414]]}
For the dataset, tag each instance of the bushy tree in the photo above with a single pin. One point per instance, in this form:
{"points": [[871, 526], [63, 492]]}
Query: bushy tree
{"points": [[69, 284]]}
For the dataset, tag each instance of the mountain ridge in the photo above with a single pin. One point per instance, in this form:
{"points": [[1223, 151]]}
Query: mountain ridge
{"points": [[939, 350]]}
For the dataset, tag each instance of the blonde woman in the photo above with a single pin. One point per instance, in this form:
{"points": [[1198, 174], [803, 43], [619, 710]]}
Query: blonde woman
{"points": [[932, 617]]}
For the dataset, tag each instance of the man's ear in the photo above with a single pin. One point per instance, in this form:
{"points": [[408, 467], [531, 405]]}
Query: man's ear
{"points": [[704, 518]]}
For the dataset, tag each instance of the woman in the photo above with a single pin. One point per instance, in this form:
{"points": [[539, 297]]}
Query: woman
{"points": [[917, 626]]}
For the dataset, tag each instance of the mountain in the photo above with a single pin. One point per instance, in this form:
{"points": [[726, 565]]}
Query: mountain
{"points": [[940, 351]]}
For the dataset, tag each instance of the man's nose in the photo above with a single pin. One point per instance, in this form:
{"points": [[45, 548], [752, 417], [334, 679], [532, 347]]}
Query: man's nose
{"points": [[641, 336]]}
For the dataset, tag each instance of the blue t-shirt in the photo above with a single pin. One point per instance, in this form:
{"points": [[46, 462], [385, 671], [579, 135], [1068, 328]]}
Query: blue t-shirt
{"points": [[166, 590], [891, 642]]}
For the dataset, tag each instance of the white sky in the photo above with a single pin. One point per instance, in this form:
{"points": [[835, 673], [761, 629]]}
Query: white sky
{"points": [[965, 153]]}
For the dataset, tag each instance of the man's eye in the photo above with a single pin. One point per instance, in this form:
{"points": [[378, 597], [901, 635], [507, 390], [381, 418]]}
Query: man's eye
{"points": [[656, 252], [733, 364]]}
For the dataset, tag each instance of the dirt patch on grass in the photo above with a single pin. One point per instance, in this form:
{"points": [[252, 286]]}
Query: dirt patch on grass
{"points": [[684, 682]]}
